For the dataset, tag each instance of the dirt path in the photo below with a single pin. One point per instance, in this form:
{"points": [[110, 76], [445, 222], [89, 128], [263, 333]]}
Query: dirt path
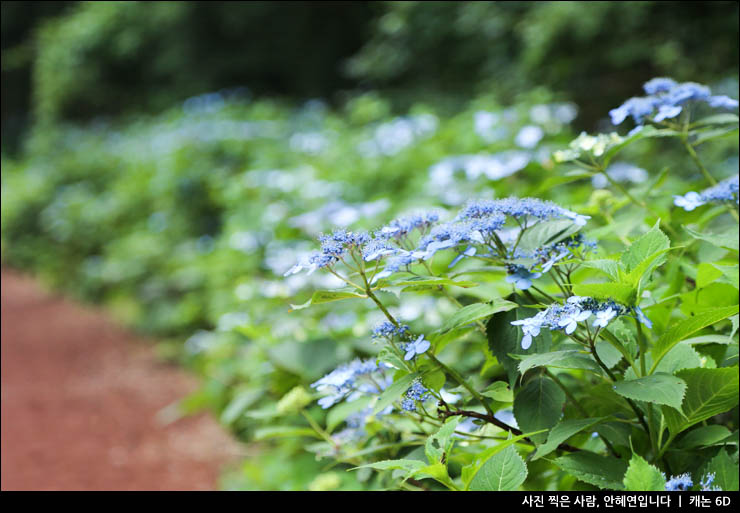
{"points": [[82, 404]]}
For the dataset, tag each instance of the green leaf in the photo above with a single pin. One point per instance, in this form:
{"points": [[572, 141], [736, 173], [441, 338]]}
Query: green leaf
{"points": [[729, 274], [440, 443], [546, 233], [708, 135], [611, 268], [620, 292], [644, 268], [407, 465], [602, 471], [717, 119], [561, 432], [709, 392], [470, 471], [724, 470], [504, 339], [703, 436], [727, 239], [643, 477], [499, 391], [284, 432], [434, 380], [571, 359], [326, 296], [538, 406], [503, 471], [686, 327], [394, 391], [418, 284], [609, 354], [657, 388], [643, 248], [476, 312]]}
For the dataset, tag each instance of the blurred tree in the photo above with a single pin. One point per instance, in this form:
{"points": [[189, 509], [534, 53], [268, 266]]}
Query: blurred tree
{"points": [[18, 22], [596, 52]]}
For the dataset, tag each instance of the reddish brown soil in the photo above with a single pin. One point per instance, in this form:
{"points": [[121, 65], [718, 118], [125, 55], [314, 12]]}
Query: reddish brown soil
{"points": [[83, 404]]}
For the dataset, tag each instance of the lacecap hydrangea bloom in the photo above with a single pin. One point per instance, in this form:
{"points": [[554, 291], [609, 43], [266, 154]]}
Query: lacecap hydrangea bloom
{"points": [[666, 99], [726, 190], [353, 380], [576, 310]]}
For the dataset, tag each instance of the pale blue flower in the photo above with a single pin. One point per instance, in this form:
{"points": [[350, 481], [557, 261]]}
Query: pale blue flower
{"points": [[570, 321], [603, 317], [417, 347], [643, 318], [681, 482]]}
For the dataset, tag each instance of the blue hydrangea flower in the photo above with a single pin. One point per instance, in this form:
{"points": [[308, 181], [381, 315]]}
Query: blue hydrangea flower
{"points": [[706, 483], [469, 251], [417, 392], [668, 98], [389, 330], [520, 276], [681, 482], [689, 201], [659, 85], [643, 318], [603, 317], [570, 320], [418, 346], [726, 190], [344, 382]]}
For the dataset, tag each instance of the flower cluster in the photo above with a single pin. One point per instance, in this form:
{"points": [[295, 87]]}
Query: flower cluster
{"points": [[666, 99], [726, 190], [353, 380], [333, 248], [576, 309], [417, 392], [388, 330], [683, 482], [545, 257], [592, 145]]}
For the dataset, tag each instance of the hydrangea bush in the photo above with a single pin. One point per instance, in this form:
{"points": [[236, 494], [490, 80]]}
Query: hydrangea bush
{"points": [[508, 259], [567, 349]]}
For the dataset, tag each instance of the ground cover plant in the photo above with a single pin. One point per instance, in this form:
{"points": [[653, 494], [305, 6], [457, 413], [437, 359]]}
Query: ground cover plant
{"points": [[492, 303]]}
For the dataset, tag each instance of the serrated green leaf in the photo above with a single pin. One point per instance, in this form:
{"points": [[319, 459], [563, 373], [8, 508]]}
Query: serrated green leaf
{"points": [[657, 388], [394, 391], [476, 312], [503, 471], [434, 380], [571, 359], [538, 406], [687, 327], [643, 477], [709, 392], [606, 472], [561, 432], [643, 248], [611, 268], [440, 443], [725, 472], [470, 471]]}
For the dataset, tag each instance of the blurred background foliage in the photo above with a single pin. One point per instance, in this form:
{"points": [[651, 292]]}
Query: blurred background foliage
{"points": [[171, 160], [85, 60]]}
